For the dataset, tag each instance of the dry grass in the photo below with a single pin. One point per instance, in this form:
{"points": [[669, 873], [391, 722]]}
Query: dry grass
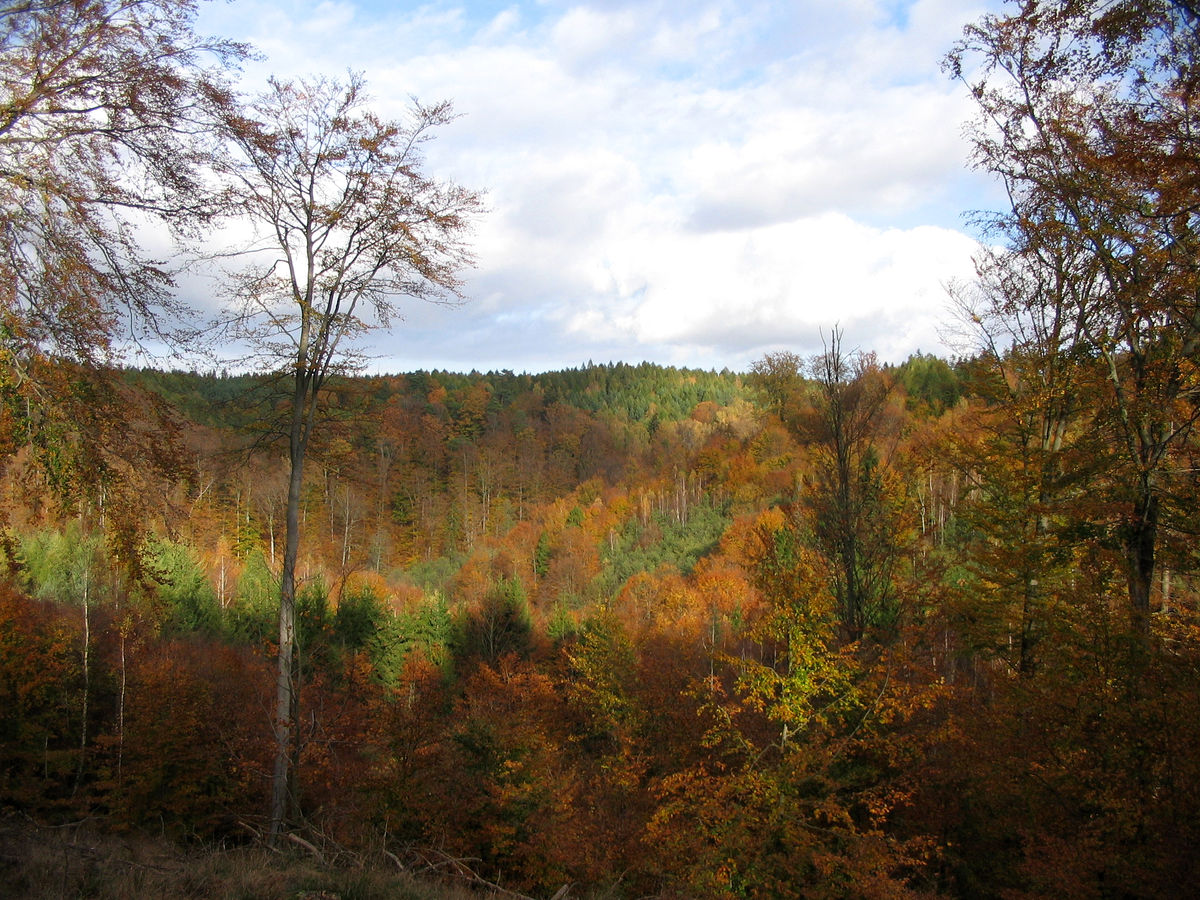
{"points": [[81, 861]]}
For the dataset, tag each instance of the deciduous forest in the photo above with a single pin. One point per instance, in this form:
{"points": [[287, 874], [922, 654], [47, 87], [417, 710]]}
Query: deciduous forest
{"points": [[828, 627]]}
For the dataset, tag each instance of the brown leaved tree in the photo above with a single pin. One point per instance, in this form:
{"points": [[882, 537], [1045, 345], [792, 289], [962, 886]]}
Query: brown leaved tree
{"points": [[346, 225], [1089, 113], [105, 126], [103, 118]]}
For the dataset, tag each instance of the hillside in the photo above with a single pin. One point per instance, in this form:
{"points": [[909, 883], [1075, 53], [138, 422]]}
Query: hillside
{"points": [[823, 628], [599, 628]]}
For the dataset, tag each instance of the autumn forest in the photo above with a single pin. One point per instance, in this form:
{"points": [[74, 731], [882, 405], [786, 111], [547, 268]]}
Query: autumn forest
{"points": [[828, 627]]}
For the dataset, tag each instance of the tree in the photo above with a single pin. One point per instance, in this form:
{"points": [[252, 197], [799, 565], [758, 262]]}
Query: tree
{"points": [[856, 520], [101, 116], [778, 379], [347, 224], [930, 383], [103, 127], [1089, 114], [1026, 450]]}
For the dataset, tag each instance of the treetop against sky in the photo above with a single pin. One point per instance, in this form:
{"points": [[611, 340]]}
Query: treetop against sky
{"points": [[692, 183]]}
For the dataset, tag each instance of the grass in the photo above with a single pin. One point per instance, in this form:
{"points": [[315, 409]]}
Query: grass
{"points": [[77, 861]]}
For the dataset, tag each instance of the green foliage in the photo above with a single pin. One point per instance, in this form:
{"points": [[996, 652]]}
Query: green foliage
{"points": [[541, 555], [603, 669], [312, 606], [627, 392], [804, 672], [562, 625], [254, 614], [930, 384], [632, 393], [433, 575], [663, 541], [501, 625], [62, 566], [427, 628], [315, 626], [777, 381], [215, 399], [183, 589], [358, 617]]}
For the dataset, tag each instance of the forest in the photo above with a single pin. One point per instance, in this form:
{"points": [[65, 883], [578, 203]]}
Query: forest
{"points": [[828, 627]]}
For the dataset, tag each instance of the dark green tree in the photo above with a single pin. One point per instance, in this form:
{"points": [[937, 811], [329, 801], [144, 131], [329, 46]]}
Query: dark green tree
{"points": [[856, 515]]}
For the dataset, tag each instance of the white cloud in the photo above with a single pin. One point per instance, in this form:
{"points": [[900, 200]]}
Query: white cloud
{"points": [[680, 181], [737, 294], [504, 24], [586, 37], [329, 18], [888, 154]]}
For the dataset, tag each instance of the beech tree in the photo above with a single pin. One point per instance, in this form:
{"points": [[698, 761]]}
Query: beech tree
{"points": [[102, 117], [1088, 113], [778, 379], [103, 127], [346, 224], [1027, 451]]}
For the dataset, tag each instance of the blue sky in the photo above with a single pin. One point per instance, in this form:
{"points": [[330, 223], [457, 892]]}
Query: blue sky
{"points": [[691, 183]]}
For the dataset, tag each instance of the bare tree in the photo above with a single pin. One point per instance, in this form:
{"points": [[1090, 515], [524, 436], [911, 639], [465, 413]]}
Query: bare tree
{"points": [[346, 225]]}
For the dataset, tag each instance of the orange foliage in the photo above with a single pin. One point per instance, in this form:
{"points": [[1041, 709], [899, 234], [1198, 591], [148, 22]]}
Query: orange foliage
{"points": [[191, 751], [40, 682]]}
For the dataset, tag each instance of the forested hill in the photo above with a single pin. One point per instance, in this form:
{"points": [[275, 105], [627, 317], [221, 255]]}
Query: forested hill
{"points": [[632, 393], [426, 463], [824, 629], [646, 631]]}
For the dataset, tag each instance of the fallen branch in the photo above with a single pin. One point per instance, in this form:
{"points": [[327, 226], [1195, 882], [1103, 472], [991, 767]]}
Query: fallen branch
{"points": [[466, 873], [301, 842]]}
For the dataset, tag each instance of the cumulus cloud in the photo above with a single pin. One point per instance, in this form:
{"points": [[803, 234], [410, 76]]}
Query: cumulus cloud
{"points": [[686, 182], [749, 291]]}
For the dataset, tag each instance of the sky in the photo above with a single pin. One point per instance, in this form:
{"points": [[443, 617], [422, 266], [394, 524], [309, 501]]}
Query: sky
{"points": [[685, 182]]}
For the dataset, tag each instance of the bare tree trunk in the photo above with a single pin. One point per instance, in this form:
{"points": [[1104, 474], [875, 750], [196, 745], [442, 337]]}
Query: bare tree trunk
{"points": [[286, 711], [87, 680], [121, 710]]}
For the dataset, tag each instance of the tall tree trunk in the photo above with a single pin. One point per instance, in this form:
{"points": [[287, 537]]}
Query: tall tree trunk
{"points": [[286, 711], [1139, 537], [87, 680]]}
